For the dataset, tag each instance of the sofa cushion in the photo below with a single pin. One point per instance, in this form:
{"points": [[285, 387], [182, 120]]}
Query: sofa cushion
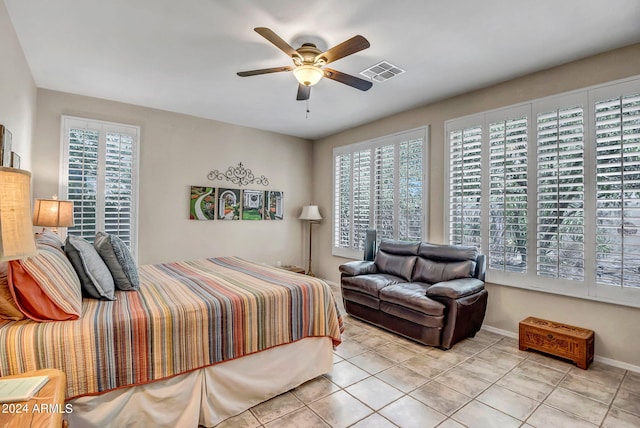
{"points": [[358, 267], [401, 248], [393, 264], [431, 271], [416, 317], [447, 253], [412, 295], [369, 284], [361, 298], [456, 288]]}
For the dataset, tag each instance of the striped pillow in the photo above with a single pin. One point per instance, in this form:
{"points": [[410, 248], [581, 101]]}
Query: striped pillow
{"points": [[47, 237], [45, 286]]}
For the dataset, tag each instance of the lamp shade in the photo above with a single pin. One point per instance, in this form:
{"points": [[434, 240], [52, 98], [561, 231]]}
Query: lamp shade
{"points": [[53, 213], [310, 212], [16, 229]]}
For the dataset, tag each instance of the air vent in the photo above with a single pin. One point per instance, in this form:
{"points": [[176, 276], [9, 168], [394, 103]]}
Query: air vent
{"points": [[382, 71]]}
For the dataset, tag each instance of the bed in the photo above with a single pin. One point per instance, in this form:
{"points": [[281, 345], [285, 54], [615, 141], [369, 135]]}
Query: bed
{"points": [[199, 342]]}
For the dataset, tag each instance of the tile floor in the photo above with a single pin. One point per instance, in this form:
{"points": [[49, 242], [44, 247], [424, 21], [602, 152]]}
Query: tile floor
{"points": [[383, 380]]}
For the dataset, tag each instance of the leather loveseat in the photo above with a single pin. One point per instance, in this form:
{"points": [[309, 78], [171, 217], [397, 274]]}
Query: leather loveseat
{"points": [[430, 293]]}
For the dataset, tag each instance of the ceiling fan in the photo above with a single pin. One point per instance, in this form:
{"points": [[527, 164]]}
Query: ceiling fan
{"points": [[309, 63]]}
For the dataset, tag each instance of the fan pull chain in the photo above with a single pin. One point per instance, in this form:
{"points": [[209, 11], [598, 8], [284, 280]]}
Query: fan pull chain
{"points": [[308, 111]]}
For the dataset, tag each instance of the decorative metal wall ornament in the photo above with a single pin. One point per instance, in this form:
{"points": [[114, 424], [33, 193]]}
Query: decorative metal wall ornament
{"points": [[238, 175]]}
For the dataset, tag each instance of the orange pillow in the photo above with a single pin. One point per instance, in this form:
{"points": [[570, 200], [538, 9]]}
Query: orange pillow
{"points": [[45, 287], [8, 308]]}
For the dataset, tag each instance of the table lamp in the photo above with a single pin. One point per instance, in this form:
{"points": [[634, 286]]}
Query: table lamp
{"points": [[16, 229], [53, 213], [311, 214]]}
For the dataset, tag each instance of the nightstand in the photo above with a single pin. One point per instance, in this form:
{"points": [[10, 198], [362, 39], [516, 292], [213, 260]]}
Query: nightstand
{"points": [[46, 407], [293, 268]]}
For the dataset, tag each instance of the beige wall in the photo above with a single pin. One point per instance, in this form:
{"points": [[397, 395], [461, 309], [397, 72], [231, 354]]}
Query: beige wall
{"points": [[615, 326], [177, 151], [17, 91]]}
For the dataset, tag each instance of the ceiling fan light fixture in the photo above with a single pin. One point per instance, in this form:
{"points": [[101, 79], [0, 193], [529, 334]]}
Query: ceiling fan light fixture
{"points": [[307, 74]]}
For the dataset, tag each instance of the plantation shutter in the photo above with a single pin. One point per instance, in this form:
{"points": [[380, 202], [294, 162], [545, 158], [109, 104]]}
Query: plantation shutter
{"points": [[82, 179], [617, 131], [379, 184], [465, 150], [361, 196], [342, 201], [118, 199], [99, 176], [508, 195], [410, 183], [384, 192], [560, 193]]}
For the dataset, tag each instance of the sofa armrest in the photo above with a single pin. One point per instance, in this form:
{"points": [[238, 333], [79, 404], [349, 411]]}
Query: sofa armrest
{"points": [[456, 288], [358, 267]]}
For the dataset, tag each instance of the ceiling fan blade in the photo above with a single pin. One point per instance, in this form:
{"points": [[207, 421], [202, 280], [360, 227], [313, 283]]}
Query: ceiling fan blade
{"points": [[264, 71], [277, 41], [347, 79], [348, 47], [303, 92]]}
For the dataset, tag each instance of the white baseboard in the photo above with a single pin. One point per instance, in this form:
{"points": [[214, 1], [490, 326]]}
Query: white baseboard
{"points": [[603, 360], [499, 331]]}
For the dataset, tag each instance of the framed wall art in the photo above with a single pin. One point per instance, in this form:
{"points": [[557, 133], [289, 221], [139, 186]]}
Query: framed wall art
{"points": [[228, 204], [274, 205], [252, 204], [15, 160], [5, 146], [202, 203]]}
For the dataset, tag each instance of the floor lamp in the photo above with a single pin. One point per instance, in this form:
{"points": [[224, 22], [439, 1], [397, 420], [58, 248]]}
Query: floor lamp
{"points": [[311, 214]]}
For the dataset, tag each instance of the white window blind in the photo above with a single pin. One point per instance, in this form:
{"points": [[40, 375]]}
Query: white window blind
{"points": [[119, 186], [379, 184], [560, 198], [384, 192], [410, 192], [617, 133], [98, 170], [361, 197], [342, 200], [465, 180], [82, 179], [508, 216], [560, 193]]}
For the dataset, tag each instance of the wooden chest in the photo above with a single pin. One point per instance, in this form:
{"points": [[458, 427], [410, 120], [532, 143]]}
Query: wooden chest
{"points": [[561, 340]]}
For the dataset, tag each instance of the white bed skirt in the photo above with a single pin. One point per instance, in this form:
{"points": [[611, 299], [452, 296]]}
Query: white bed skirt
{"points": [[209, 395]]}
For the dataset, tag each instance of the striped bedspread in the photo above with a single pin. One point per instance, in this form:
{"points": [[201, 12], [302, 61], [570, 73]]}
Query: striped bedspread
{"points": [[187, 315]]}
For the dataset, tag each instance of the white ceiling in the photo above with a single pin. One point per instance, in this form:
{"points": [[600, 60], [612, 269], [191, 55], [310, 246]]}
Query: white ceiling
{"points": [[183, 55]]}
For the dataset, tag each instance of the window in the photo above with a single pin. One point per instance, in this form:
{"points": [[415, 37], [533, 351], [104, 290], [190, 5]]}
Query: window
{"points": [[617, 195], [379, 184], [550, 191], [99, 167]]}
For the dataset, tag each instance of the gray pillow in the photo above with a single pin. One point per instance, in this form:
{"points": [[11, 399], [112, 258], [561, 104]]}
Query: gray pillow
{"points": [[119, 260], [94, 274]]}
